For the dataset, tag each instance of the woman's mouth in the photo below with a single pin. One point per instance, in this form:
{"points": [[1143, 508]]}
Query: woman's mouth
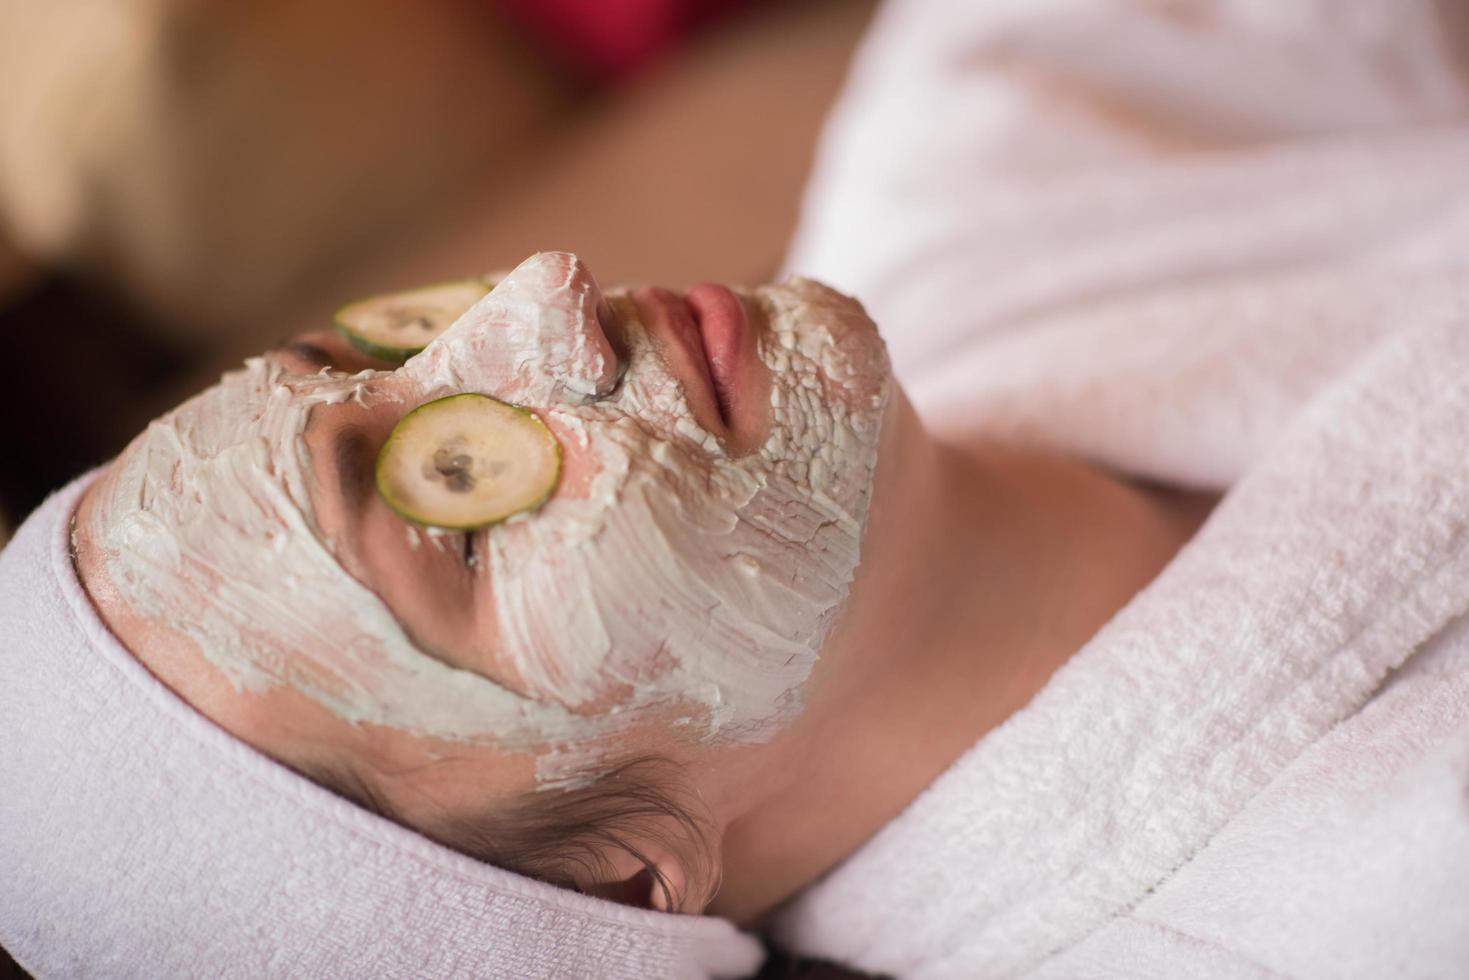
{"points": [[706, 341], [723, 329]]}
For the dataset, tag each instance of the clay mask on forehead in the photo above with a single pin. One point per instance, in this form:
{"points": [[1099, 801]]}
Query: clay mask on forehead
{"points": [[679, 578]]}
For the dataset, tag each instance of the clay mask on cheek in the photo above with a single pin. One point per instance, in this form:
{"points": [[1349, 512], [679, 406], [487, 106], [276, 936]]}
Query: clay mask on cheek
{"points": [[206, 524], [681, 580]]}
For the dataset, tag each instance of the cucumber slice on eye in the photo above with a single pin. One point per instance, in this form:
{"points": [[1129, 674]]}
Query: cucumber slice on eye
{"points": [[395, 326], [467, 461]]}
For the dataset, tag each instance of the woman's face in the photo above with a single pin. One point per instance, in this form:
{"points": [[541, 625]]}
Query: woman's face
{"points": [[718, 456]]}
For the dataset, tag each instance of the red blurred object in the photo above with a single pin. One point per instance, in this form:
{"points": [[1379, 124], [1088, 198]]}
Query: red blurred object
{"points": [[608, 41]]}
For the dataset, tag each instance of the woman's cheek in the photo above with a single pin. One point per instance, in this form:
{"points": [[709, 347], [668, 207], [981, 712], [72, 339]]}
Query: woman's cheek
{"points": [[579, 463]]}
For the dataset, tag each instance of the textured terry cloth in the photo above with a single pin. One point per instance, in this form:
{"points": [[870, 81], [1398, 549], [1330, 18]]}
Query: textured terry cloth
{"points": [[1221, 245], [139, 840], [996, 168], [1229, 779]]}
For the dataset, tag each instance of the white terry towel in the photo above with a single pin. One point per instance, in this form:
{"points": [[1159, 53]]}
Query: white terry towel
{"points": [[1144, 232], [991, 167], [139, 840], [1216, 243], [1228, 779]]}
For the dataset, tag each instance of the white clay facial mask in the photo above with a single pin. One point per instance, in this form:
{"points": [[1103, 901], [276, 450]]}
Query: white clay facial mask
{"points": [[672, 576]]}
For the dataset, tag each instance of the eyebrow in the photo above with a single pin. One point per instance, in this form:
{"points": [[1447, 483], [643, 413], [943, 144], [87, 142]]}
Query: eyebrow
{"points": [[307, 351]]}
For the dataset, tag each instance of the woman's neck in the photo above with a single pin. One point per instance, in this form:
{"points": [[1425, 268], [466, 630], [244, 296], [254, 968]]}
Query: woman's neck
{"points": [[993, 566]]}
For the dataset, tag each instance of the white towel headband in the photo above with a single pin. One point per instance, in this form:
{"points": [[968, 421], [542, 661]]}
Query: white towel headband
{"points": [[137, 839]]}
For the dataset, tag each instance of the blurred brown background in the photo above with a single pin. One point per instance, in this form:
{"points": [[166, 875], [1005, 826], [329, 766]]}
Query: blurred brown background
{"points": [[186, 182]]}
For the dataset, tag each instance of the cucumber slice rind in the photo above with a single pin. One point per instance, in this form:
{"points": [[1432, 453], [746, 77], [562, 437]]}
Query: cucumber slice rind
{"points": [[413, 482], [395, 326], [395, 354]]}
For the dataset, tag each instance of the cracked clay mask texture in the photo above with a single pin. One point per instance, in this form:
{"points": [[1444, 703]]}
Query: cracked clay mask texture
{"points": [[676, 577]]}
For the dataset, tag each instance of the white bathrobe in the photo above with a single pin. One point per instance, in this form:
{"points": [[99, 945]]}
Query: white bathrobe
{"points": [[1220, 245]]}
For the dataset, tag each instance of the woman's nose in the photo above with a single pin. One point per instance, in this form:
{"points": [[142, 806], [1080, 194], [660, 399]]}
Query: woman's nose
{"points": [[537, 333]]}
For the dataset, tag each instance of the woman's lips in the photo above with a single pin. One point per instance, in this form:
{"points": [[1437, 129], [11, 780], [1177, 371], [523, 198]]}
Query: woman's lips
{"points": [[709, 331], [722, 328]]}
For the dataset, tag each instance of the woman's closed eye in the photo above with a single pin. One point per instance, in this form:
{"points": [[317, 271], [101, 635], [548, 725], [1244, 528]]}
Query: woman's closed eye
{"points": [[354, 457]]}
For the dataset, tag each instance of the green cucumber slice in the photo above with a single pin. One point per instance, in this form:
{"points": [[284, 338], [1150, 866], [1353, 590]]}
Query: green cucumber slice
{"points": [[395, 326], [467, 461]]}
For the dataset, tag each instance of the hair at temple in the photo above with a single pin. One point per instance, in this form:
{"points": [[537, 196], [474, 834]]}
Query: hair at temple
{"points": [[562, 837]]}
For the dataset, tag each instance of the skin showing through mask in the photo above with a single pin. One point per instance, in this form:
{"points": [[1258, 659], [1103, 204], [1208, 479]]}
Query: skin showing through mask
{"points": [[982, 569]]}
